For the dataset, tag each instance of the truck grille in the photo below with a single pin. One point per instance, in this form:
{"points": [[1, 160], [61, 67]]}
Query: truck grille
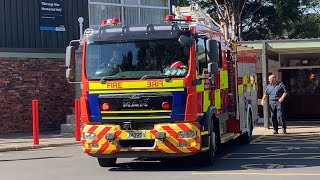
{"points": [[139, 105]]}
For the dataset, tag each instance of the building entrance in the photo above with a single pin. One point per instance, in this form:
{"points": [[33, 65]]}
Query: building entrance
{"points": [[303, 98]]}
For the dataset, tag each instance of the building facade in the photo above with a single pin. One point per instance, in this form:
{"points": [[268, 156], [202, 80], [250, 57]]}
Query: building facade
{"points": [[129, 11], [296, 62]]}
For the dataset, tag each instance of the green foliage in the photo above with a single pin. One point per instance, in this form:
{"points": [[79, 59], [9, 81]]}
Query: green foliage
{"points": [[270, 19], [182, 3], [306, 27]]}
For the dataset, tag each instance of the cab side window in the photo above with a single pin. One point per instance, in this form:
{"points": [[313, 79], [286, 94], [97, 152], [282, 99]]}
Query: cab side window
{"points": [[219, 60], [201, 56]]}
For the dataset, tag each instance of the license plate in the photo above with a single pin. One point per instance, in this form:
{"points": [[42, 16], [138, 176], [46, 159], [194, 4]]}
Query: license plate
{"points": [[136, 135]]}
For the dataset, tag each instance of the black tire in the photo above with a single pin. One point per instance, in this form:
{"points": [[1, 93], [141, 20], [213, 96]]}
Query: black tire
{"points": [[107, 162], [208, 157]]}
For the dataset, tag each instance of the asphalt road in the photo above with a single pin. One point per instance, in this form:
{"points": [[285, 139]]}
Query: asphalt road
{"points": [[267, 157]]}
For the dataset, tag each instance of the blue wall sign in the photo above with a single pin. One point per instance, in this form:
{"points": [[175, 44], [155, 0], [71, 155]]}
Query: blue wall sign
{"points": [[52, 15]]}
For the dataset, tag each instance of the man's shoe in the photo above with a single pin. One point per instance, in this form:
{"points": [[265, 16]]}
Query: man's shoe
{"points": [[275, 132], [284, 131]]}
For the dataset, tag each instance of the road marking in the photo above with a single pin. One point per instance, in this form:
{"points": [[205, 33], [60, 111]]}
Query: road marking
{"points": [[270, 166], [257, 139], [288, 148], [287, 140], [254, 174], [310, 156]]}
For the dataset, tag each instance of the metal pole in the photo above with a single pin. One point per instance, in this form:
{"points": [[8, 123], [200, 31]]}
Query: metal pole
{"points": [[77, 119], [80, 20], [265, 83], [35, 122]]}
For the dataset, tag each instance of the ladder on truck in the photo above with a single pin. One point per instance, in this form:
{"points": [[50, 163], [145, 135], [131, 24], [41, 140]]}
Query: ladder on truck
{"points": [[197, 13]]}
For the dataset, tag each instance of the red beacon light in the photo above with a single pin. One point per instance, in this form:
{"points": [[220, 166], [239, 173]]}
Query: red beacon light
{"points": [[169, 17], [110, 21], [115, 20], [187, 18], [104, 22]]}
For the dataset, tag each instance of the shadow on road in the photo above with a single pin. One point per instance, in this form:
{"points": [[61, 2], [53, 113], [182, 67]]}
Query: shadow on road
{"points": [[264, 152]]}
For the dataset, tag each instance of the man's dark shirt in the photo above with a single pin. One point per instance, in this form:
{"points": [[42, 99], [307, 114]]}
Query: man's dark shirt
{"points": [[275, 91]]}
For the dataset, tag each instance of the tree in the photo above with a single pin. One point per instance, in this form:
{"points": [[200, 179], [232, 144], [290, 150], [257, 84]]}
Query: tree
{"points": [[258, 19], [233, 15]]}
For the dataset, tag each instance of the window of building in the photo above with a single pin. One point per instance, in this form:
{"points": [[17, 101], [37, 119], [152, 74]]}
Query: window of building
{"points": [[99, 12], [152, 15], [132, 2], [131, 15], [129, 11], [106, 1], [160, 3]]}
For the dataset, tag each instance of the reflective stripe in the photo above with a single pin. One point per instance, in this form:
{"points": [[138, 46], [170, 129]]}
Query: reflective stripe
{"points": [[119, 85], [224, 79], [206, 101], [200, 87], [152, 117], [217, 98], [101, 91], [132, 112]]}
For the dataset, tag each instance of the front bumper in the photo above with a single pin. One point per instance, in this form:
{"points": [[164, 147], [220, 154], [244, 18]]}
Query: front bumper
{"points": [[148, 146]]}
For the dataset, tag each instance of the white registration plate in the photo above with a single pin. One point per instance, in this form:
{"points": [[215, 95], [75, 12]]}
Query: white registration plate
{"points": [[136, 135]]}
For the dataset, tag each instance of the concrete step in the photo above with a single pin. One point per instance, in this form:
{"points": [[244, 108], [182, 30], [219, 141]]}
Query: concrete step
{"points": [[67, 128], [70, 119]]}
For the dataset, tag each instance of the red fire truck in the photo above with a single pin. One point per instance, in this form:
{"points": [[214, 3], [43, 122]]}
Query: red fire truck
{"points": [[163, 90]]}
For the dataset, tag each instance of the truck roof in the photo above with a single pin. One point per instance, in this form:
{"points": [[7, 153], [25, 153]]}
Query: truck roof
{"points": [[135, 32]]}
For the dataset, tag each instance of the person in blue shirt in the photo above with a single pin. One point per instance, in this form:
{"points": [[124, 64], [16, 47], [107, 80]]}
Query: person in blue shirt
{"points": [[276, 92]]}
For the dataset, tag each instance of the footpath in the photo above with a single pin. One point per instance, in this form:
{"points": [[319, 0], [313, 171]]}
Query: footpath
{"points": [[24, 141]]}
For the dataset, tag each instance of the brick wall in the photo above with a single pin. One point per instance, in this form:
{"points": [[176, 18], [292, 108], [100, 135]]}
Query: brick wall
{"points": [[22, 80]]}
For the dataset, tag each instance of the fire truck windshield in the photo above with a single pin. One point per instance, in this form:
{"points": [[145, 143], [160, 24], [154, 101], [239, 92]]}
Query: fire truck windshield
{"points": [[136, 59]]}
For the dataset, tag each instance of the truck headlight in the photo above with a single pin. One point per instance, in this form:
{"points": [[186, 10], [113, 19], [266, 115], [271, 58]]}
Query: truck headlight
{"points": [[187, 134], [89, 136]]}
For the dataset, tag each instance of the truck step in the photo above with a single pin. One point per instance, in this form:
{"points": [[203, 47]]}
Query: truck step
{"points": [[229, 136]]}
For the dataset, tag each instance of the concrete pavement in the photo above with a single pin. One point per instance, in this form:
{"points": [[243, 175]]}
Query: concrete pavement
{"points": [[24, 141]]}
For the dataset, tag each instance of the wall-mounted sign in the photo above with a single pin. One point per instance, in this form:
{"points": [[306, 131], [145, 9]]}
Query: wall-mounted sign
{"points": [[52, 15]]}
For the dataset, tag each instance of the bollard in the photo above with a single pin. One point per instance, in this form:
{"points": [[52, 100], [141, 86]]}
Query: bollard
{"points": [[35, 122], [77, 119]]}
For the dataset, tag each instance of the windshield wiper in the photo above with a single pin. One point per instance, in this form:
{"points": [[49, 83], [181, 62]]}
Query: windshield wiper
{"points": [[166, 77], [105, 78]]}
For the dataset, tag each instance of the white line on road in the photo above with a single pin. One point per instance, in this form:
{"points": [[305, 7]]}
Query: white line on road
{"points": [[254, 174]]}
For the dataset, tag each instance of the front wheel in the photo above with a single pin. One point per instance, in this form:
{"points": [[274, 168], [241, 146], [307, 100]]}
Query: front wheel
{"points": [[207, 158], [246, 137], [107, 162]]}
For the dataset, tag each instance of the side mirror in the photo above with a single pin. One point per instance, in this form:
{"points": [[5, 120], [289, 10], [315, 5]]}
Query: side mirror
{"points": [[70, 63], [213, 68], [186, 41], [213, 50], [70, 55]]}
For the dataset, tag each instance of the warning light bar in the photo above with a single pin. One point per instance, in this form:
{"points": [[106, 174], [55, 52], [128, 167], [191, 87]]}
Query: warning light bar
{"points": [[187, 18], [115, 20], [112, 21], [169, 17]]}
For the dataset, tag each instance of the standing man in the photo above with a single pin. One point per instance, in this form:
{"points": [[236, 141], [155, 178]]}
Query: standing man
{"points": [[276, 92]]}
